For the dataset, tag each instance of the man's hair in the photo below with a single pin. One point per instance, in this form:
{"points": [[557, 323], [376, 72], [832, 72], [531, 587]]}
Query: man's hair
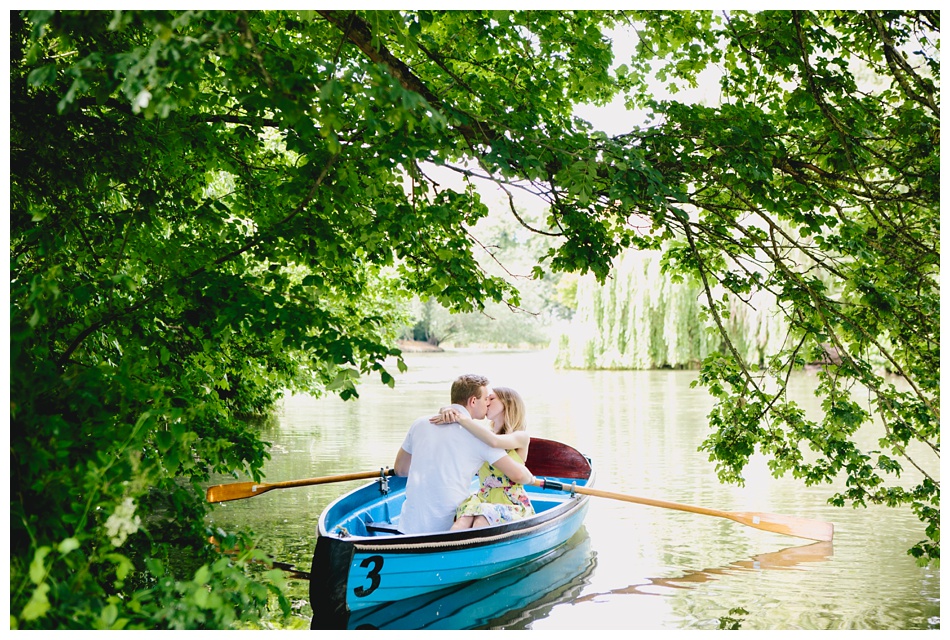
{"points": [[467, 386]]}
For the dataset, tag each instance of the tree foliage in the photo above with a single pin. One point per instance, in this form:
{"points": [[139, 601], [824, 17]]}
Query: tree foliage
{"points": [[208, 208], [817, 180], [511, 252]]}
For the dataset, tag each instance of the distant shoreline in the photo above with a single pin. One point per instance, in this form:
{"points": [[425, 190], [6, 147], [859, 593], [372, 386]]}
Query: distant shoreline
{"points": [[417, 346]]}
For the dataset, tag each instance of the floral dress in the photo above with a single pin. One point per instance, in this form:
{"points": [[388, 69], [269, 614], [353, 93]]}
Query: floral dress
{"points": [[498, 499]]}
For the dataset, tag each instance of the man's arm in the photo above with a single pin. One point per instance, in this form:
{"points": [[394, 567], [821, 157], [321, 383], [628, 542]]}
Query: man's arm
{"points": [[515, 440], [515, 471], [403, 462]]}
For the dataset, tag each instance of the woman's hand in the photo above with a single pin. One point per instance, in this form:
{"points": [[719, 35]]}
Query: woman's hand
{"points": [[446, 416]]}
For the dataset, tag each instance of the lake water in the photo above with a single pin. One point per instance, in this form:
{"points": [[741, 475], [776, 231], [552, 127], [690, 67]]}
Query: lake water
{"points": [[630, 566]]}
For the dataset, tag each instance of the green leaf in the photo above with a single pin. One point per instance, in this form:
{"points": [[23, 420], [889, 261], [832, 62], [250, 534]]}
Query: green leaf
{"points": [[202, 574], [108, 615], [67, 545], [38, 566], [164, 440], [42, 76], [38, 604]]}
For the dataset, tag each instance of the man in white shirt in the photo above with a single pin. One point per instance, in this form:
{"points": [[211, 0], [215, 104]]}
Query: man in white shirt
{"points": [[441, 460]]}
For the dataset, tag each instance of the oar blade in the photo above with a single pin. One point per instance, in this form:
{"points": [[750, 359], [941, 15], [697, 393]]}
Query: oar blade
{"points": [[787, 525], [235, 491]]}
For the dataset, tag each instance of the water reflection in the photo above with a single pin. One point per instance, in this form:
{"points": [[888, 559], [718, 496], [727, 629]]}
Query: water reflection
{"points": [[518, 598], [509, 600], [790, 558]]}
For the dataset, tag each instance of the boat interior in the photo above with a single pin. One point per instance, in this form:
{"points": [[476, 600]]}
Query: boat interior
{"points": [[380, 516], [373, 510]]}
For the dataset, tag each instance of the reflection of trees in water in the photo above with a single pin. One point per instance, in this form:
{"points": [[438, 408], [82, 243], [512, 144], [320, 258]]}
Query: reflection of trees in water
{"points": [[711, 608]]}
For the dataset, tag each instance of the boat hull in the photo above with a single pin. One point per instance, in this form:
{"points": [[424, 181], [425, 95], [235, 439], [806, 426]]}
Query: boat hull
{"points": [[500, 600], [359, 563]]}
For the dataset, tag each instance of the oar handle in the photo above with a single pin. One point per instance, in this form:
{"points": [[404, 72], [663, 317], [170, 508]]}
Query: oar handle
{"points": [[553, 485], [287, 484], [239, 490], [547, 483]]}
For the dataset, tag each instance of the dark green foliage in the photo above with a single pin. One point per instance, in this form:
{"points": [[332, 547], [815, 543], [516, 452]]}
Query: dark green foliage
{"points": [[209, 208]]}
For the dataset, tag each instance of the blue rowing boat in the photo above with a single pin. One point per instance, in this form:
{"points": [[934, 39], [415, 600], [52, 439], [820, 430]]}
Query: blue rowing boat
{"points": [[361, 560]]}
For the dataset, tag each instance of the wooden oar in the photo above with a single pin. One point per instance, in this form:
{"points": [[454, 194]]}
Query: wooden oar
{"points": [[787, 525], [239, 490]]}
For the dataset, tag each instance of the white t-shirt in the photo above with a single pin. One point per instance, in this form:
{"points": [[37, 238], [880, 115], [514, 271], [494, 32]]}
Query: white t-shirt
{"points": [[445, 458]]}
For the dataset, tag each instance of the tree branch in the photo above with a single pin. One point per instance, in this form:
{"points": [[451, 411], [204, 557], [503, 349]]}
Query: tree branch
{"points": [[360, 34], [901, 70], [712, 307]]}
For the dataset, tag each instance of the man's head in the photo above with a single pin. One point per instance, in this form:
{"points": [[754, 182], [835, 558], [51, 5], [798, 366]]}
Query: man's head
{"points": [[471, 391]]}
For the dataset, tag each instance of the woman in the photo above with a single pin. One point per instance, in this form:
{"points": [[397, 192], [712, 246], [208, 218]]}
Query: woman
{"points": [[498, 499]]}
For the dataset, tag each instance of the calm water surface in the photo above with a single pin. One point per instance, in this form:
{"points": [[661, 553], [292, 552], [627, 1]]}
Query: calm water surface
{"points": [[630, 566]]}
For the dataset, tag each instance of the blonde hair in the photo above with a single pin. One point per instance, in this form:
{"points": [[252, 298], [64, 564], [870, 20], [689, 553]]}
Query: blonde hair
{"points": [[514, 409]]}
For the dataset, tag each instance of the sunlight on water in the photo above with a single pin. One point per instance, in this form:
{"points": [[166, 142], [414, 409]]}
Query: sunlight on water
{"points": [[631, 566]]}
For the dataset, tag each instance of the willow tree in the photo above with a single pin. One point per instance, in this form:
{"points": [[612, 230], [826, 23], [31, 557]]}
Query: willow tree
{"points": [[208, 208]]}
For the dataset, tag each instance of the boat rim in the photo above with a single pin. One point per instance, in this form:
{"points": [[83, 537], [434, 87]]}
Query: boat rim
{"points": [[455, 539]]}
